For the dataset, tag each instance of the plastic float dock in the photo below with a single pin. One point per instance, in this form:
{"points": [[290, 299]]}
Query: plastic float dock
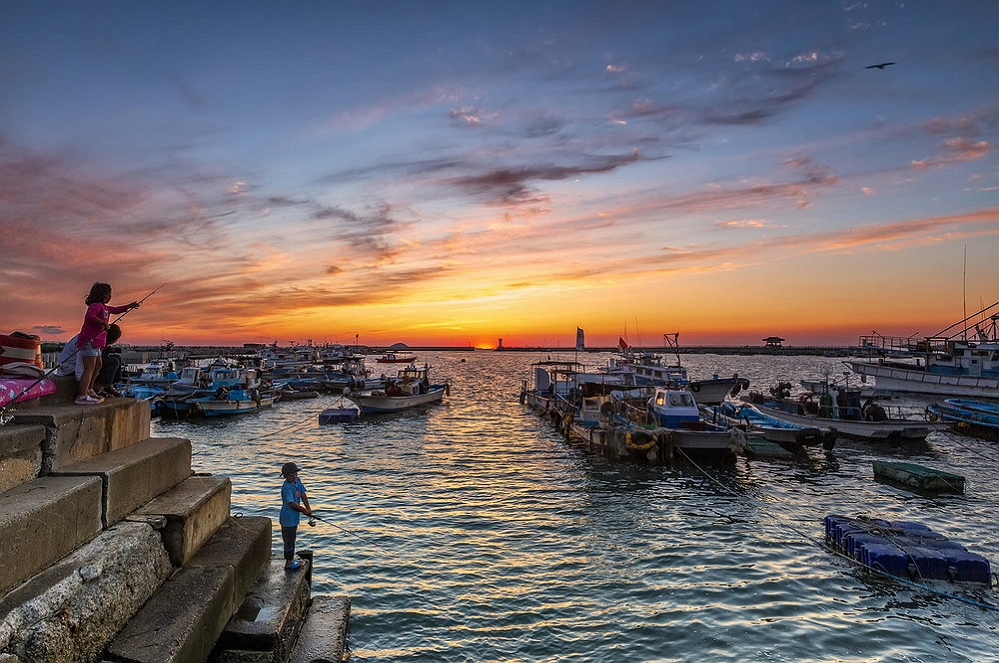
{"points": [[906, 550]]}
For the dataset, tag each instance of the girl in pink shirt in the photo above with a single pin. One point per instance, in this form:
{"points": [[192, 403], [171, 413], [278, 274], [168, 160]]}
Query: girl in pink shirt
{"points": [[93, 337]]}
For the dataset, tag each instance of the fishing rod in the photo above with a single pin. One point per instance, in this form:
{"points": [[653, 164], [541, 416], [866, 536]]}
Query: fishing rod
{"points": [[4, 417], [312, 523]]}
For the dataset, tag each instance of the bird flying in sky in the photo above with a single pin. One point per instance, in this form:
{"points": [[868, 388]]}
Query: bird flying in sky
{"points": [[879, 66]]}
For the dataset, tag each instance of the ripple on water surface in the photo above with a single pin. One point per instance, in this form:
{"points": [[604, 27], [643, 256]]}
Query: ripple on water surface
{"points": [[470, 532]]}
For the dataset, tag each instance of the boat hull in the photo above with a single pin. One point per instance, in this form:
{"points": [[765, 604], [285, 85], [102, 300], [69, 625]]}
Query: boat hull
{"points": [[892, 431], [892, 377], [371, 403]]}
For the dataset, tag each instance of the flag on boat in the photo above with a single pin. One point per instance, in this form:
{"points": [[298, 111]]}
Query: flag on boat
{"points": [[579, 339], [623, 344]]}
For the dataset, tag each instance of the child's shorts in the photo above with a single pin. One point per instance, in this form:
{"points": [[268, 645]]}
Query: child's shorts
{"points": [[89, 350]]}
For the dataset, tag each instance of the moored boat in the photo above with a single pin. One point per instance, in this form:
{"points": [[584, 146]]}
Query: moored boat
{"points": [[918, 477], [393, 358], [976, 418], [412, 389], [945, 364], [843, 411], [793, 437]]}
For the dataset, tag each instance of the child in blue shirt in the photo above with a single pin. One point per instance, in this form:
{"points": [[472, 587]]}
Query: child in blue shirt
{"points": [[294, 503]]}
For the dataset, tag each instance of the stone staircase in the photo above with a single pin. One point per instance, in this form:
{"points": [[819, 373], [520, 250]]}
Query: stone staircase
{"points": [[114, 550]]}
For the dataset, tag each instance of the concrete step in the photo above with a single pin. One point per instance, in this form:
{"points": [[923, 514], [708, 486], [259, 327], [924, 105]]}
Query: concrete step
{"points": [[324, 636], [182, 621], [20, 454], [72, 609], [267, 623], [135, 474], [188, 514], [77, 432], [44, 519]]}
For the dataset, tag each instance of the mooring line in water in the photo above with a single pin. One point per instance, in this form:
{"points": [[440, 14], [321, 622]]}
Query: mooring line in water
{"points": [[821, 545], [955, 438]]}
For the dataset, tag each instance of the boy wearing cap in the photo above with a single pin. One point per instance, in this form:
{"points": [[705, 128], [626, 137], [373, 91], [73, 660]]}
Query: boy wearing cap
{"points": [[294, 503]]}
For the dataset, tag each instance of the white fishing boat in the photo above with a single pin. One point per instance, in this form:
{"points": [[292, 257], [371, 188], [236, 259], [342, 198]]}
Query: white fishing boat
{"points": [[846, 414], [948, 363], [411, 389], [650, 369]]}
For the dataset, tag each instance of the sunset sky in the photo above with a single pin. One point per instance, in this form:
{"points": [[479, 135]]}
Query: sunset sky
{"points": [[451, 173]]}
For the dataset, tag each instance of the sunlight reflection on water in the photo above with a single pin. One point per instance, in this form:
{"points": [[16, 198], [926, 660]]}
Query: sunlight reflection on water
{"points": [[471, 532]]}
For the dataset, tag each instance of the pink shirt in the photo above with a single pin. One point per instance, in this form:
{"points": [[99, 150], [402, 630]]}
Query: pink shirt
{"points": [[93, 324]]}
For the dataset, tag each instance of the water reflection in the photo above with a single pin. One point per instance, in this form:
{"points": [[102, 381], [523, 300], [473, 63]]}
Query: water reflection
{"points": [[475, 533]]}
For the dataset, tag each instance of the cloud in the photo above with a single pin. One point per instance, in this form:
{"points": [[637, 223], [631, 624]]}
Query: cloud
{"points": [[511, 186]]}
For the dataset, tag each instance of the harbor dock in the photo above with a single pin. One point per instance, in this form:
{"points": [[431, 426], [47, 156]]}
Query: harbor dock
{"points": [[116, 550]]}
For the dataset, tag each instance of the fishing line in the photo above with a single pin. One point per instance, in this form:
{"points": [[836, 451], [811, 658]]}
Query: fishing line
{"points": [[4, 418], [821, 545], [395, 555]]}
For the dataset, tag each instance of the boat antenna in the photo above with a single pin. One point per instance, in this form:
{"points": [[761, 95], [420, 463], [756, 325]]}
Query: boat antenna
{"points": [[964, 289], [4, 417]]}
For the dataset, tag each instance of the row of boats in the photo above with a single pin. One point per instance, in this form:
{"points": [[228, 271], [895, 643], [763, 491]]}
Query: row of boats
{"points": [[641, 406], [222, 389]]}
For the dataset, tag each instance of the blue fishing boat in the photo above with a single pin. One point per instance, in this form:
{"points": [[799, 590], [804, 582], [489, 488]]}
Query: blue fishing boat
{"points": [[975, 418]]}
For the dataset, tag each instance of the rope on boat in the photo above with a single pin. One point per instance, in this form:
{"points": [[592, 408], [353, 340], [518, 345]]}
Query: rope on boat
{"points": [[821, 545]]}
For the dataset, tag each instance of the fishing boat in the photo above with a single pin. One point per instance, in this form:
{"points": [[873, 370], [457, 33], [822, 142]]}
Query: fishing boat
{"points": [[949, 363], [232, 401], [247, 394], [393, 358], [159, 372], [411, 389], [675, 411], [793, 437], [975, 418], [843, 410], [645, 368]]}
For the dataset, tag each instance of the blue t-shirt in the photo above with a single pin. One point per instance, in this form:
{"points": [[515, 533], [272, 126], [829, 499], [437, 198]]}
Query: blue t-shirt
{"points": [[291, 491]]}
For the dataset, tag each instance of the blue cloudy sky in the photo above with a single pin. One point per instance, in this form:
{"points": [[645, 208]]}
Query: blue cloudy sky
{"points": [[444, 172]]}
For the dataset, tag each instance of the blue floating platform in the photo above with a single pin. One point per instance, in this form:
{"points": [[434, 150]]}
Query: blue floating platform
{"points": [[338, 415], [905, 549]]}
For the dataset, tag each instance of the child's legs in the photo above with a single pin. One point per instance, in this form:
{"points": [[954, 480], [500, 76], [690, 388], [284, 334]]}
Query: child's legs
{"points": [[97, 370], [288, 535], [89, 372]]}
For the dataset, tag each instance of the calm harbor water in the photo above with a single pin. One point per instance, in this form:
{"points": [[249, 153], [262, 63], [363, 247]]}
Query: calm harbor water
{"points": [[470, 531]]}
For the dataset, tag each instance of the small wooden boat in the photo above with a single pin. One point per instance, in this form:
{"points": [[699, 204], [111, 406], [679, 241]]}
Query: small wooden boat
{"points": [[918, 477]]}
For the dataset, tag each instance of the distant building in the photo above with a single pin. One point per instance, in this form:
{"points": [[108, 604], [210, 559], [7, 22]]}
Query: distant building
{"points": [[773, 341], [500, 346]]}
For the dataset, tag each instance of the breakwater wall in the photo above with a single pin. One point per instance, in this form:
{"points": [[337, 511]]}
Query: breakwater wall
{"points": [[115, 549]]}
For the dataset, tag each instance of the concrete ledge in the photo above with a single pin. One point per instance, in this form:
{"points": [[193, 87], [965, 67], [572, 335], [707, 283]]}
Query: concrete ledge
{"points": [[324, 636], [43, 520], [194, 510], [76, 432], [70, 611], [182, 621], [20, 454], [135, 474], [270, 616]]}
